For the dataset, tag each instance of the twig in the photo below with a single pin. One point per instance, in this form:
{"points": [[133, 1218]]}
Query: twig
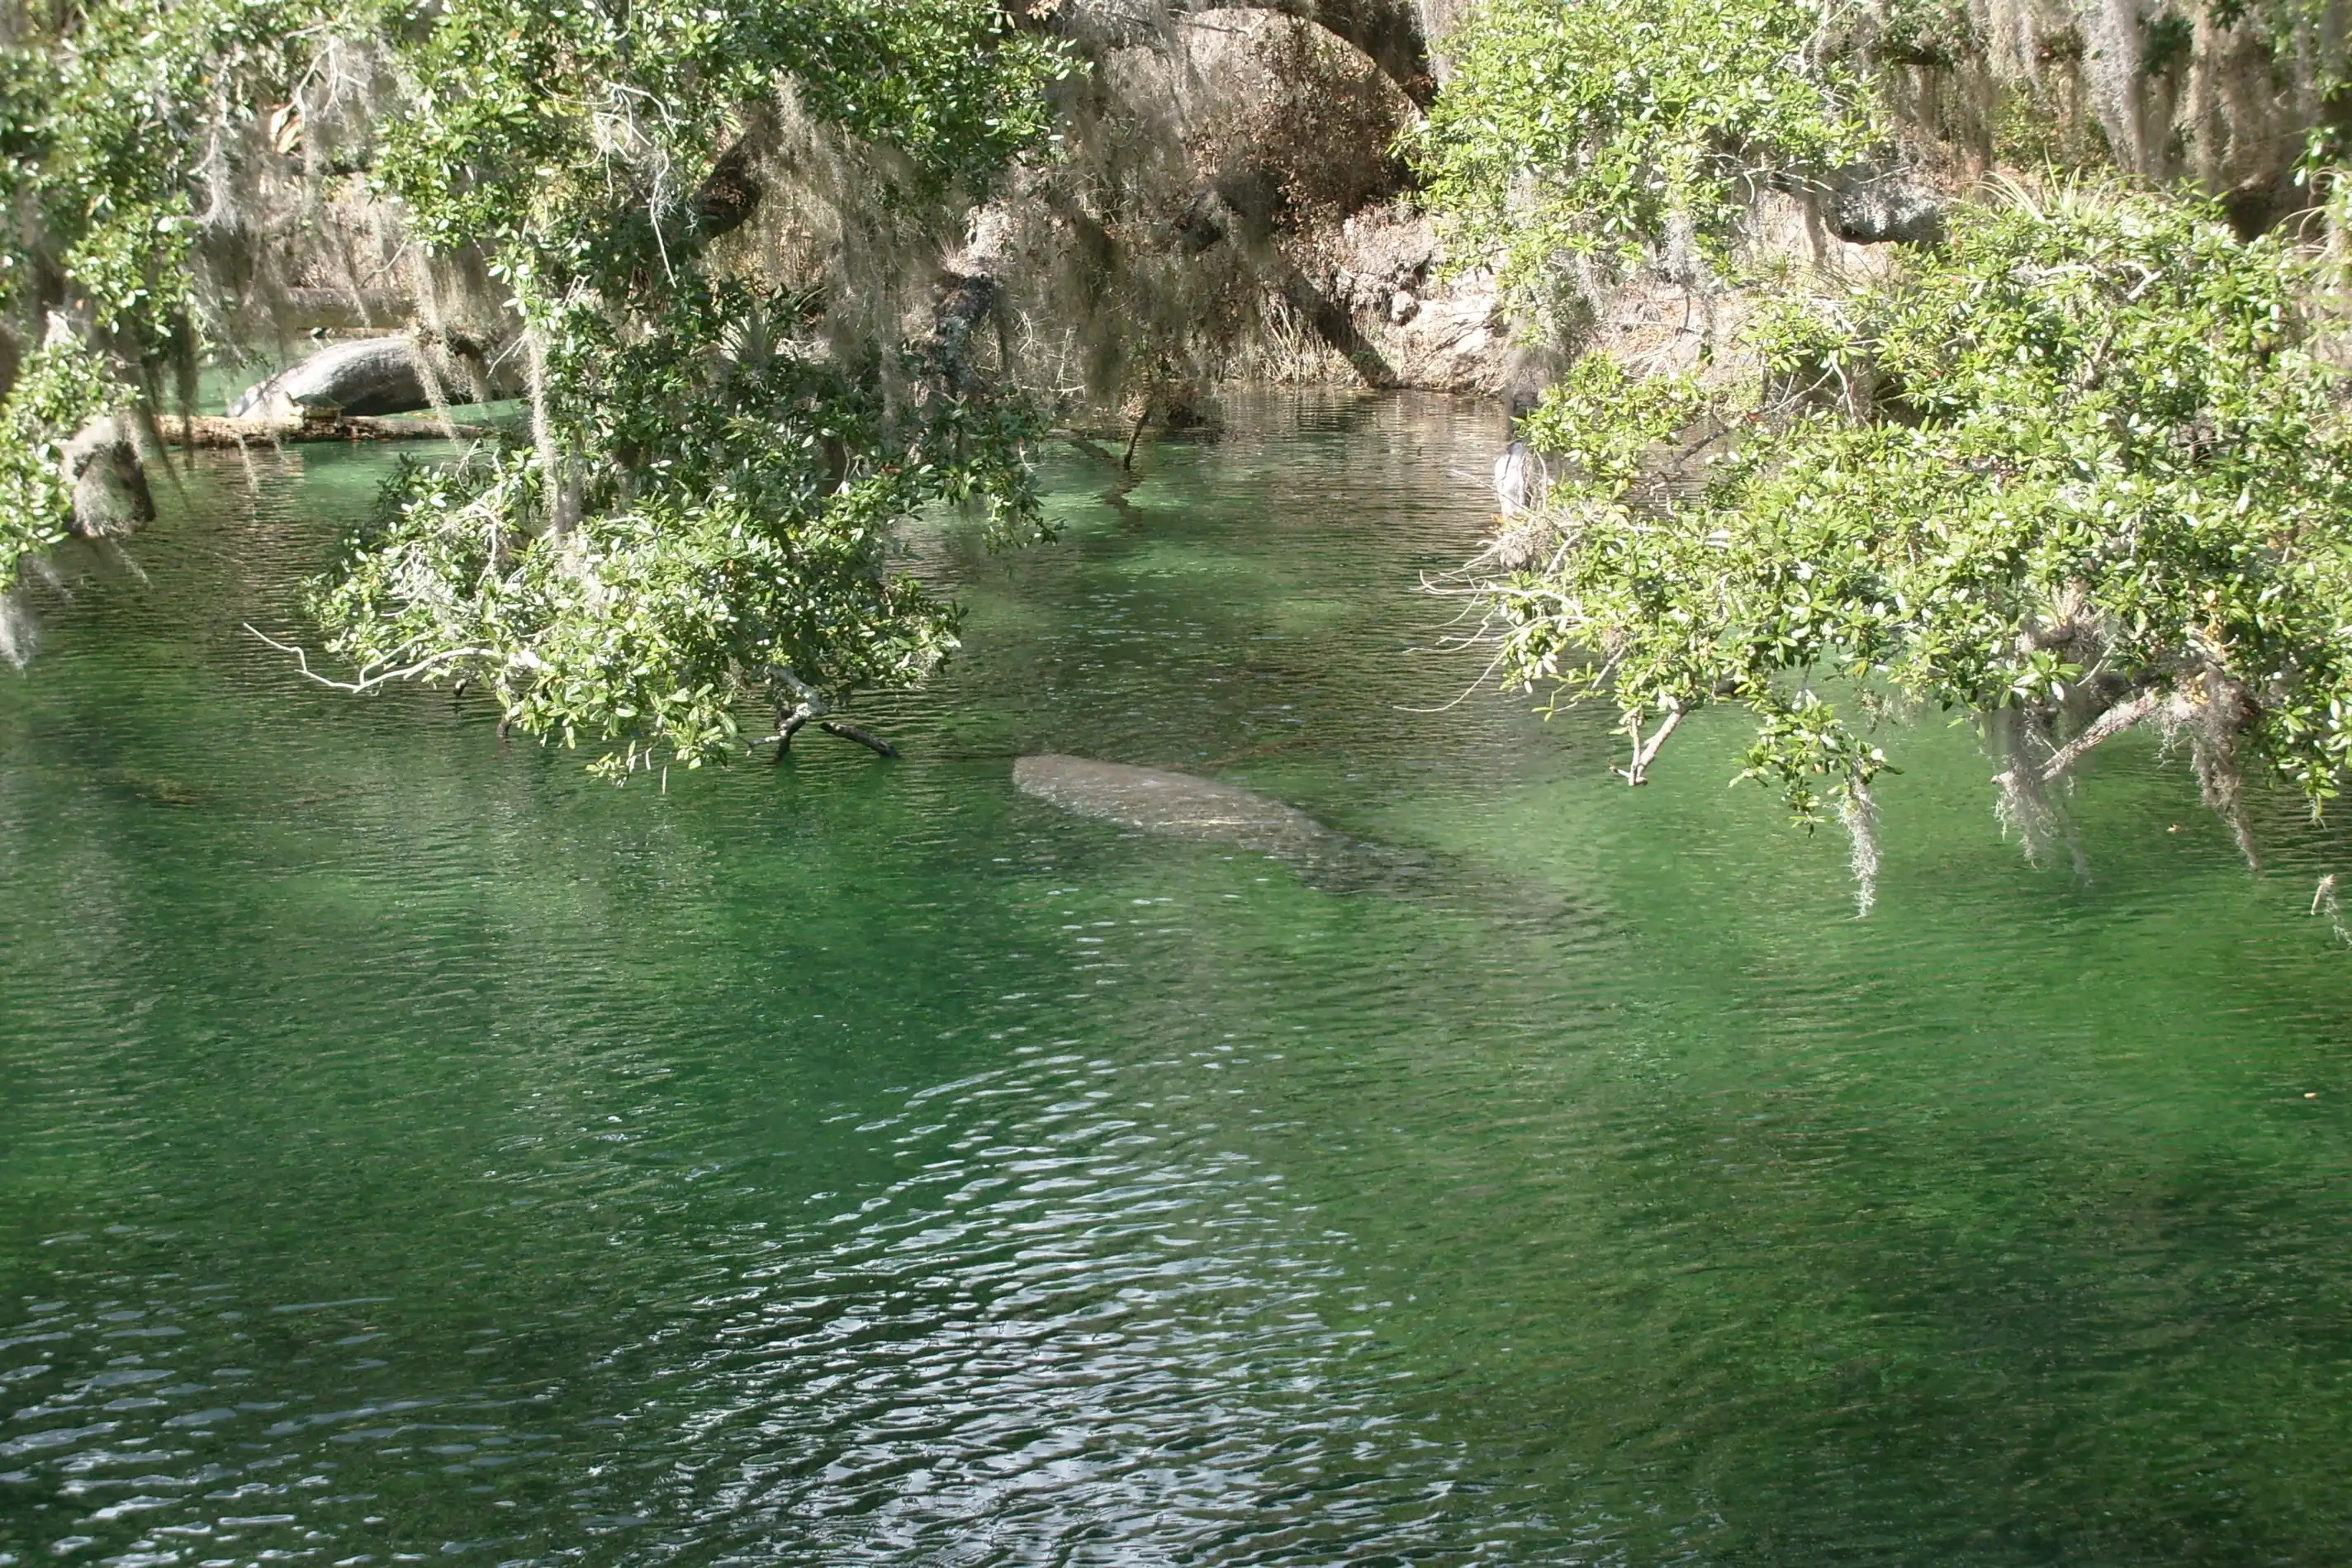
{"points": [[1468, 692]]}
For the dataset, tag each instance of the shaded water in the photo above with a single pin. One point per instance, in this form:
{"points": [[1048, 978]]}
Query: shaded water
{"points": [[410, 1147]]}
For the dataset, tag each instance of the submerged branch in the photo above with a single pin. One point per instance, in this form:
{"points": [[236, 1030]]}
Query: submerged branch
{"points": [[872, 742]]}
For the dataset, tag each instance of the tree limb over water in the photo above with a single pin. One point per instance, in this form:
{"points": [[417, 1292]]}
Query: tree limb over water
{"points": [[2084, 468], [606, 212]]}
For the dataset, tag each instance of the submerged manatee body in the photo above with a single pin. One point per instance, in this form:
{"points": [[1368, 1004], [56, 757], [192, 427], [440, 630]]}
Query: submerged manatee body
{"points": [[1178, 805]]}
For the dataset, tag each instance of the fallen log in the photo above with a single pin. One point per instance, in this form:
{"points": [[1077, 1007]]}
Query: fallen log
{"points": [[110, 495], [217, 430]]}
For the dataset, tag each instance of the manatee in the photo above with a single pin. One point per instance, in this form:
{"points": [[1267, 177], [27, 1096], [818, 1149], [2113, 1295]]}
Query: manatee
{"points": [[1180, 806]]}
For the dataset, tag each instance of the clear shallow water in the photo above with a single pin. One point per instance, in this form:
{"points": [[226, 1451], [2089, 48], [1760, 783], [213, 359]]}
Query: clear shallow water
{"points": [[411, 1148]]}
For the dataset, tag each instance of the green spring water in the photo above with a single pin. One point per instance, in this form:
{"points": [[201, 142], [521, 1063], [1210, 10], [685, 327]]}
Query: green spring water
{"points": [[411, 1148]]}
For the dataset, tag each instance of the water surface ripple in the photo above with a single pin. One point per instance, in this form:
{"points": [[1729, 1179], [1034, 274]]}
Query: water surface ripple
{"points": [[413, 1149]]}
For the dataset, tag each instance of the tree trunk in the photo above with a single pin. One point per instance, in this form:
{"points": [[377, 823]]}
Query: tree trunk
{"points": [[971, 294], [110, 487]]}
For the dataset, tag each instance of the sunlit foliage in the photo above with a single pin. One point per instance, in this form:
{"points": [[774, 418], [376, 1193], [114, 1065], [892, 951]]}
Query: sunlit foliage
{"points": [[703, 509], [724, 544], [57, 390], [1608, 131], [2082, 468]]}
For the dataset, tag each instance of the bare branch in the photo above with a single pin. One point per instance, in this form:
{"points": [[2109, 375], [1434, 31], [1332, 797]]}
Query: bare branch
{"points": [[1468, 692], [369, 681], [2124, 716], [800, 688], [1645, 754]]}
